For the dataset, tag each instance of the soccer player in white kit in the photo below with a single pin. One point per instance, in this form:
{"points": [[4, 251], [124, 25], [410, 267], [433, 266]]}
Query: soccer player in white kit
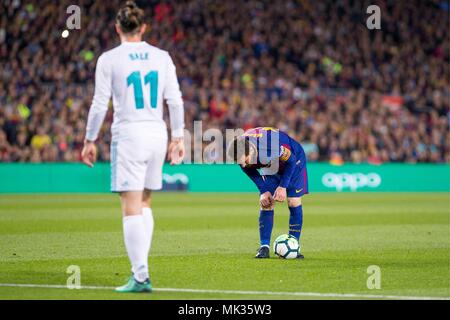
{"points": [[138, 76]]}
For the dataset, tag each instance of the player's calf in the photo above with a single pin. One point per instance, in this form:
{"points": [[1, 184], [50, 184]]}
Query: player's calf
{"points": [[295, 218], [135, 236], [265, 224]]}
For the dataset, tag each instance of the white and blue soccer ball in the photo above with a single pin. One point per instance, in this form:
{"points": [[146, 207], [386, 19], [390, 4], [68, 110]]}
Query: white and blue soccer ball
{"points": [[286, 246]]}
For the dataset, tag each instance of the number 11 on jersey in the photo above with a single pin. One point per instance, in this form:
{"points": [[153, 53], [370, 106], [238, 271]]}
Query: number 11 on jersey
{"points": [[150, 78]]}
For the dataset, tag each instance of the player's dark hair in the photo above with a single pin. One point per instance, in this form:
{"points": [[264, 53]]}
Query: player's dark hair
{"points": [[130, 17], [238, 147]]}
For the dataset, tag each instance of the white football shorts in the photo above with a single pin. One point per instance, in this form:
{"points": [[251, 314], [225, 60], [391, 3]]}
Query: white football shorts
{"points": [[138, 152]]}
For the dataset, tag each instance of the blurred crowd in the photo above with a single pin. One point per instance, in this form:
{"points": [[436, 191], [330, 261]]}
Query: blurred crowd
{"points": [[310, 68]]}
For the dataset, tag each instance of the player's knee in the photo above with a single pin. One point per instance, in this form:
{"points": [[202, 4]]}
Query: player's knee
{"points": [[294, 202], [131, 202], [267, 208]]}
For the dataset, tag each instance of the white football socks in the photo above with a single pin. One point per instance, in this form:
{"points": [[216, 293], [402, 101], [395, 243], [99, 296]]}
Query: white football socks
{"points": [[148, 224], [136, 243]]}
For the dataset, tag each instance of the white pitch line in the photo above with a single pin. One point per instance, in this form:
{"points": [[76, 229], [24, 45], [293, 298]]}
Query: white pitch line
{"points": [[272, 293]]}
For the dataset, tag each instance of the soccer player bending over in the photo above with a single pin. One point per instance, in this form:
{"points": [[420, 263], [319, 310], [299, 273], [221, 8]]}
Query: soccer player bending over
{"points": [[138, 76], [283, 175]]}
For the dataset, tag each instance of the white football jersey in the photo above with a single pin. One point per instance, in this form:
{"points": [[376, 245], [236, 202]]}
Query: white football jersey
{"points": [[138, 76]]}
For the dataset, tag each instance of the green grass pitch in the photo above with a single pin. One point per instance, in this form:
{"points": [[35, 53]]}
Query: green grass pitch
{"points": [[207, 241]]}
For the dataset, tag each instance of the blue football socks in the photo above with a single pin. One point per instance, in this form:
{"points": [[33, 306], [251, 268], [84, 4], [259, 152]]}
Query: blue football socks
{"points": [[265, 226], [296, 221]]}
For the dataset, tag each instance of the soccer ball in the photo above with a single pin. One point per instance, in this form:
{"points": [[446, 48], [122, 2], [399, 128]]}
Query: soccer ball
{"points": [[286, 246]]}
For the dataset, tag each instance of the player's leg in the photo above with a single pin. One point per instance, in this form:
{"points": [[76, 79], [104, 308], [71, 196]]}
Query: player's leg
{"points": [[135, 242], [296, 189], [148, 220], [148, 217], [266, 215], [127, 171], [153, 181], [134, 233], [295, 217]]}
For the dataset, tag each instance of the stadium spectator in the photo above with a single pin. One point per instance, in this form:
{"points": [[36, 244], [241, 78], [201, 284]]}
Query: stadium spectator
{"points": [[311, 68]]}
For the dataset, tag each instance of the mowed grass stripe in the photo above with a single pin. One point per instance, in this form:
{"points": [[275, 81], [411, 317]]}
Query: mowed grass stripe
{"points": [[208, 241]]}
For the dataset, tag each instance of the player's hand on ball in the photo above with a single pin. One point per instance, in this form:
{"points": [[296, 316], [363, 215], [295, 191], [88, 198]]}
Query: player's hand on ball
{"points": [[89, 153], [266, 200], [176, 151], [280, 194]]}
